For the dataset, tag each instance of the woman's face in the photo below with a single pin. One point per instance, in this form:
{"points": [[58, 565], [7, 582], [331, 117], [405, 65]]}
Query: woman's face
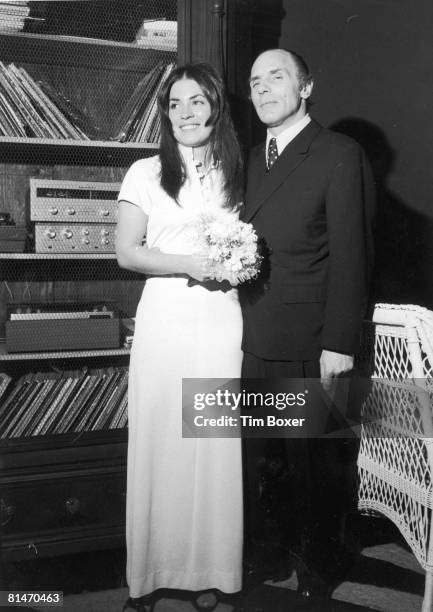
{"points": [[189, 111]]}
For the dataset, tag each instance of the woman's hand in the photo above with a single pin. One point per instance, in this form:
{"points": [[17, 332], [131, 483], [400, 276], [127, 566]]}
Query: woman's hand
{"points": [[200, 268], [235, 278]]}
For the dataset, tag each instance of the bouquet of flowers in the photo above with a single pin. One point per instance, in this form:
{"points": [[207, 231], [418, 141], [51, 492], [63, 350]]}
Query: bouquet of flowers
{"points": [[230, 244]]}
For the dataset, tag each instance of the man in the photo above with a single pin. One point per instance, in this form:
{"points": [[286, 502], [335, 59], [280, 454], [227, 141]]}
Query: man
{"points": [[310, 197]]}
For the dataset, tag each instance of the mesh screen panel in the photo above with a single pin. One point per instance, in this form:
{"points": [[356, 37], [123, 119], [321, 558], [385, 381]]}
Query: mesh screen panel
{"points": [[78, 87]]}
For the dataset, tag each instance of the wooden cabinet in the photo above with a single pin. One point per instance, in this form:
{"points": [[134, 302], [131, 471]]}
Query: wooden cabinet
{"points": [[62, 494], [65, 492]]}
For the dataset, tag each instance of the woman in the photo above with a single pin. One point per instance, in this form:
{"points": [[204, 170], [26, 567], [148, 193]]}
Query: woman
{"points": [[184, 496]]}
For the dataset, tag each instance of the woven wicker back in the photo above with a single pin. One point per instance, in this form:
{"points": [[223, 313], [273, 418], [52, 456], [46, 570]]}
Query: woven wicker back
{"points": [[395, 461]]}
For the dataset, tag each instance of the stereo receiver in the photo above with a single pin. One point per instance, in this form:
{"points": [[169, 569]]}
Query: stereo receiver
{"points": [[74, 238], [57, 201]]}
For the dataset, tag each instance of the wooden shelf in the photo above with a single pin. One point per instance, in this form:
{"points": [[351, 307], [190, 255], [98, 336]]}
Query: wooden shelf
{"points": [[73, 152], [87, 437], [4, 356], [39, 444], [57, 142], [57, 256], [83, 52]]}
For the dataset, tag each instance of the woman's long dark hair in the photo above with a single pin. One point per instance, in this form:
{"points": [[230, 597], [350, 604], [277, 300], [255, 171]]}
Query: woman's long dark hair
{"points": [[223, 142]]}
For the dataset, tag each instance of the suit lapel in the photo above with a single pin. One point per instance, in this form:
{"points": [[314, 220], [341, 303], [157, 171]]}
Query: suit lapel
{"points": [[260, 184], [256, 176]]}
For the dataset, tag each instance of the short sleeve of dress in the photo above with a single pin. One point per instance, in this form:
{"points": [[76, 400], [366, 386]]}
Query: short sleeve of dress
{"points": [[135, 186]]}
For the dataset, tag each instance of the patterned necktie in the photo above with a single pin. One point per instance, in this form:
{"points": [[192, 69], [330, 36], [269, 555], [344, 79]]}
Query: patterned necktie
{"points": [[272, 153]]}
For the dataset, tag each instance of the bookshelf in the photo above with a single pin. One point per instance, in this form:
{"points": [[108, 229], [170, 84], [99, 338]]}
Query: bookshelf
{"points": [[64, 492]]}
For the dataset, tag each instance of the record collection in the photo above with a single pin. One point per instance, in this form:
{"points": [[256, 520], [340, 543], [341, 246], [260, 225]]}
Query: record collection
{"points": [[35, 109], [45, 403]]}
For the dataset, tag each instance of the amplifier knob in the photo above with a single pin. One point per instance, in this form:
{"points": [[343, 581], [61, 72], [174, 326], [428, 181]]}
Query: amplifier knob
{"points": [[105, 241], [53, 211], [50, 233], [72, 506], [85, 231], [85, 240], [66, 233], [105, 213], [71, 211], [105, 232]]}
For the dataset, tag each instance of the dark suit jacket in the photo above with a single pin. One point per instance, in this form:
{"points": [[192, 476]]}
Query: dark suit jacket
{"points": [[313, 211]]}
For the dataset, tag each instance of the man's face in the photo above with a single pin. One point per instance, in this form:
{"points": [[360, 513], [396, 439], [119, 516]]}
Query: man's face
{"points": [[275, 91]]}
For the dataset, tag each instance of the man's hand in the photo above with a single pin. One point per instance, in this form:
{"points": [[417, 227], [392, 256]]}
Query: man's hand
{"points": [[333, 364]]}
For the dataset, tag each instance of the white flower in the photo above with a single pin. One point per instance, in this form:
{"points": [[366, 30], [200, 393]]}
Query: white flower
{"points": [[229, 243]]}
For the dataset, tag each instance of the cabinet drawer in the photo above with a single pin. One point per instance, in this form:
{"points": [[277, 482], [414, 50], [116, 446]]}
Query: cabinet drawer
{"points": [[65, 501]]}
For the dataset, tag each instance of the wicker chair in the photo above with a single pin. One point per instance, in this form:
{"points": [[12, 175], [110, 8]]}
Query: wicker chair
{"points": [[395, 462]]}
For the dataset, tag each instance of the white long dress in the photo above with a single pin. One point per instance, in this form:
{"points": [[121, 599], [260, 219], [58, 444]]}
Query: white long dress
{"points": [[184, 495]]}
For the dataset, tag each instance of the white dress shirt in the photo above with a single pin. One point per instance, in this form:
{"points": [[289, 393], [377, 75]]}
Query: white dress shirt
{"points": [[287, 135]]}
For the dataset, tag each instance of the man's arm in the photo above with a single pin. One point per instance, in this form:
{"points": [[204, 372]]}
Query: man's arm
{"points": [[349, 209]]}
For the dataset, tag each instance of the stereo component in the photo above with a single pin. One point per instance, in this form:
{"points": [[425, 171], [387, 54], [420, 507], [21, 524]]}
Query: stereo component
{"points": [[59, 201], [64, 326], [74, 238]]}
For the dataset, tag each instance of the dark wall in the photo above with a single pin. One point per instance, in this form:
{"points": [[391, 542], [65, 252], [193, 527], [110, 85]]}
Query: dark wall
{"points": [[373, 67]]}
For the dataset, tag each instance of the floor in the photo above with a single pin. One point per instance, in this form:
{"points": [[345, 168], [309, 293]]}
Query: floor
{"points": [[385, 578]]}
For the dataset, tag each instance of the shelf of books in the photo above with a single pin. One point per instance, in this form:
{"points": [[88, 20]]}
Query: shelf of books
{"points": [[33, 108], [50, 403]]}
